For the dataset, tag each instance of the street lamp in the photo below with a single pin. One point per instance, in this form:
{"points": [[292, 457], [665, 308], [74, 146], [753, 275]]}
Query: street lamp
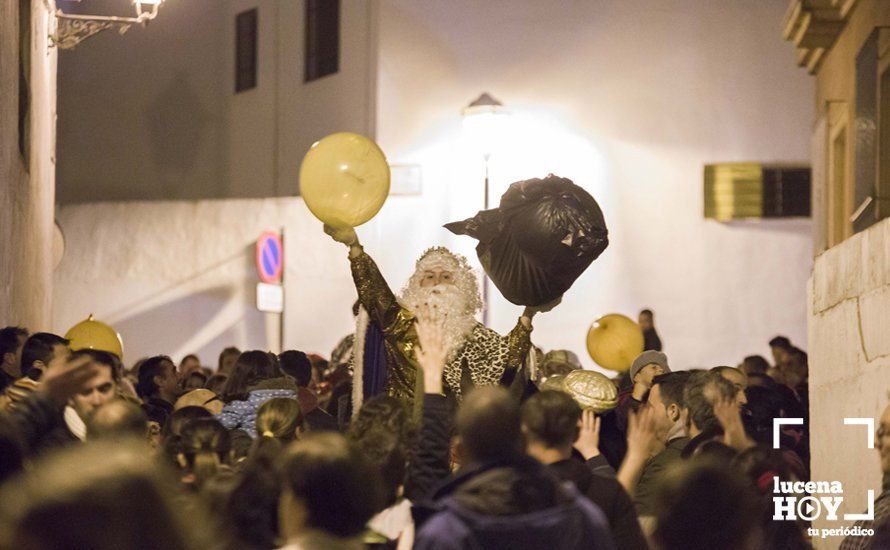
{"points": [[484, 123], [71, 29]]}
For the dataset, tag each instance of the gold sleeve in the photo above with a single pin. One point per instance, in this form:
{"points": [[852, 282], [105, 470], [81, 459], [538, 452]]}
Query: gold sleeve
{"points": [[374, 294], [519, 342]]}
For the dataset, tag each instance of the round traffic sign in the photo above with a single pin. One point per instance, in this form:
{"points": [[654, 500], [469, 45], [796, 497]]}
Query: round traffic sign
{"points": [[269, 258]]}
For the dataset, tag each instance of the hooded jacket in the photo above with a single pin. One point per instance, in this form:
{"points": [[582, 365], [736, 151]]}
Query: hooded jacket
{"points": [[511, 504], [241, 414]]}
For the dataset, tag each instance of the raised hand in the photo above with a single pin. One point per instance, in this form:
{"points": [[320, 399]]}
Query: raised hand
{"points": [[588, 441], [728, 414], [65, 377], [642, 432], [431, 353], [642, 442], [345, 235]]}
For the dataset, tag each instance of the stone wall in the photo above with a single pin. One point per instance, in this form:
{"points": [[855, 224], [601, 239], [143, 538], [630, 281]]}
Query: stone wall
{"points": [[849, 345]]}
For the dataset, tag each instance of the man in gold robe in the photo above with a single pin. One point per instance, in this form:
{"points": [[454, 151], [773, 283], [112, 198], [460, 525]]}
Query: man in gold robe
{"points": [[445, 288]]}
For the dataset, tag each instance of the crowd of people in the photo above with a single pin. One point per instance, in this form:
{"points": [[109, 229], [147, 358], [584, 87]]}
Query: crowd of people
{"points": [[295, 451]]}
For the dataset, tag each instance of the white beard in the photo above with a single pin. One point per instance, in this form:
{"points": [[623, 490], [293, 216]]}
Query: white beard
{"points": [[448, 305]]}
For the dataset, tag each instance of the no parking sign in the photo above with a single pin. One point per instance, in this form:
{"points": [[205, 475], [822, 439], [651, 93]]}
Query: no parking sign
{"points": [[269, 257]]}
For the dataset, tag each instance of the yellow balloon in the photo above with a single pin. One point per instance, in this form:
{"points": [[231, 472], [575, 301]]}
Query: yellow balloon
{"points": [[92, 334], [344, 179], [614, 341]]}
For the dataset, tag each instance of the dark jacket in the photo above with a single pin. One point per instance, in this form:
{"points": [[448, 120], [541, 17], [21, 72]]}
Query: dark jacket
{"points": [[40, 423], [652, 474], [512, 504], [430, 463], [610, 496], [515, 503]]}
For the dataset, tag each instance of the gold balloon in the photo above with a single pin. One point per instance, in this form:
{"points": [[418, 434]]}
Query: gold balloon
{"points": [[344, 179], [592, 390], [614, 341], [92, 334]]}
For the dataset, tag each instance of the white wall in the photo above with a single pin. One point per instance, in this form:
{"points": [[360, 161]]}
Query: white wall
{"points": [[179, 277], [153, 114], [628, 98]]}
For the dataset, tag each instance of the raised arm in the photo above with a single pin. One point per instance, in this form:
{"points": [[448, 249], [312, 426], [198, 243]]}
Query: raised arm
{"points": [[430, 462], [374, 293], [519, 339]]}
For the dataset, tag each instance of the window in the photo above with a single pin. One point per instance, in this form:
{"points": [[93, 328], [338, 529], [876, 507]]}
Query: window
{"points": [[883, 185], [866, 134], [786, 192], [322, 38], [246, 50], [837, 184]]}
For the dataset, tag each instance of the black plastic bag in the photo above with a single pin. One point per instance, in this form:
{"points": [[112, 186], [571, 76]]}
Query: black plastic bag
{"points": [[540, 239]]}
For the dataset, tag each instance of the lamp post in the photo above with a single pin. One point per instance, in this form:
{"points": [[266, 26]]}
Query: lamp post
{"points": [[483, 123], [71, 29]]}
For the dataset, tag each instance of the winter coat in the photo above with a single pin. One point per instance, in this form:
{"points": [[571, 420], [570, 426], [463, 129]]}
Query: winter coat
{"points": [[241, 414], [41, 424], [512, 504], [610, 496]]}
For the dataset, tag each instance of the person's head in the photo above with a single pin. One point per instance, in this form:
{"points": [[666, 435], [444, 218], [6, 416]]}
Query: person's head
{"points": [[383, 413], [118, 420], [558, 362], [383, 431], [550, 420], [780, 345], [445, 283], [200, 398], [795, 369], [227, 358], [702, 505], [647, 320], [487, 425], [761, 463], [764, 405], [194, 380], [188, 364], [883, 440], [702, 391], [102, 495], [754, 364], [12, 340], [180, 417], [39, 350], [666, 399], [157, 378], [217, 383], [204, 445], [296, 364], [250, 368], [737, 378], [280, 418], [647, 366], [101, 388], [326, 486]]}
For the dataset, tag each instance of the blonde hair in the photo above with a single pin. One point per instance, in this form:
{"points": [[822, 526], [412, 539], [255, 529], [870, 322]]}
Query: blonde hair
{"points": [[279, 418]]}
